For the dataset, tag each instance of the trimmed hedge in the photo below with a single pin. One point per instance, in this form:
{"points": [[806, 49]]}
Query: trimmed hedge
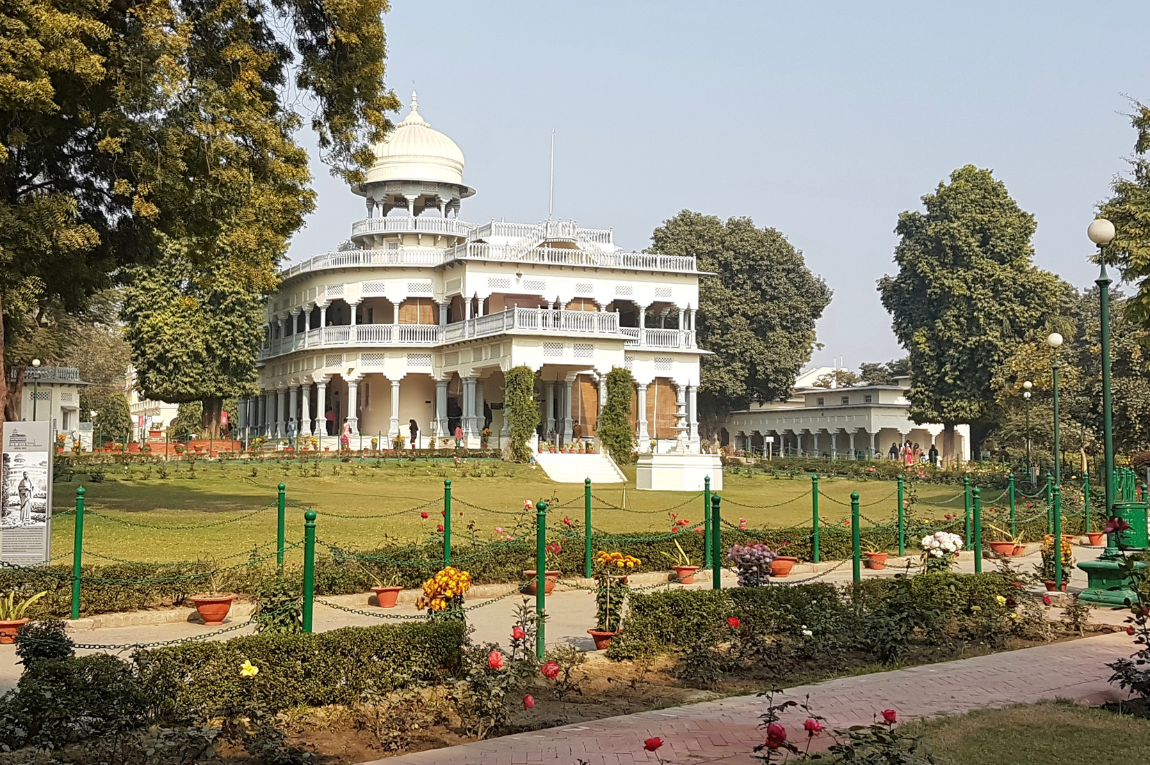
{"points": [[202, 680]]}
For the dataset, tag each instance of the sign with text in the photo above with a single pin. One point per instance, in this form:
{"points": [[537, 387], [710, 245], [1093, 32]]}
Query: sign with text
{"points": [[26, 493]]}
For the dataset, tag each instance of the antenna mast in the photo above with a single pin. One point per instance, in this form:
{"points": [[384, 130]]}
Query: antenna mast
{"points": [[551, 192]]}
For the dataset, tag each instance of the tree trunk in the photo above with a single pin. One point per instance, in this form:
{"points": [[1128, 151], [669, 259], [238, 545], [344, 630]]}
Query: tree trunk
{"points": [[210, 421], [949, 458]]}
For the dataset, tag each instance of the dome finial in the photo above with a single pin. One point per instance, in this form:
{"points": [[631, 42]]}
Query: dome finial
{"points": [[414, 101]]}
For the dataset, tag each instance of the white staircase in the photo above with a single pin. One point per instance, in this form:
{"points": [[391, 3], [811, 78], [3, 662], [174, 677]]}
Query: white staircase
{"points": [[576, 468]]}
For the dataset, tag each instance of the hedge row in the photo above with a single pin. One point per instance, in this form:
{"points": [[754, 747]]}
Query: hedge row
{"points": [[679, 620]]}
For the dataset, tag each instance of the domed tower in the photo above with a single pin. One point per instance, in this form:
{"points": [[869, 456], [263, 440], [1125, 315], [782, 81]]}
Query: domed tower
{"points": [[417, 170]]}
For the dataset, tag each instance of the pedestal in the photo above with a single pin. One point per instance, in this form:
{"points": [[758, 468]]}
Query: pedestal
{"points": [[1111, 582], [676, 471]]}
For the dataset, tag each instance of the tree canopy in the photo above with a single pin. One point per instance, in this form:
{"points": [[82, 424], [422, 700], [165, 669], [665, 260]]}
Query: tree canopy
{"points": [[757, 315], [1129, 211], [965, 294], [884, 373], [127, 129]]}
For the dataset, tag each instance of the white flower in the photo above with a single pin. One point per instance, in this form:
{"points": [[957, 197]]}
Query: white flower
{"points": [[808, 633]]}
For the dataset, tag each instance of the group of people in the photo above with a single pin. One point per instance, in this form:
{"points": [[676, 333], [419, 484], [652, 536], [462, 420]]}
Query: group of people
{"points": [[345, 433], [912, 454]]}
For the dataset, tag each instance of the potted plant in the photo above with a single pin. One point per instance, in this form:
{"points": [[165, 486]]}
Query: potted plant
{"points": [[681, 562], [13, 615], [397, 443], [386, 589], [213, 606], [443, 593], [782, 564], [875, 557], [1007, 545], [550, 575], [1097, 538], [610, 594], [753, 562], [484, 435], [940, 550], [543, 447], [1045, 569], [551, 448]]}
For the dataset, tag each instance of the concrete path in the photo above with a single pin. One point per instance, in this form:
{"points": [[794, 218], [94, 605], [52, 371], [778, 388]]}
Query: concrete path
{"points": [[724, 732]]}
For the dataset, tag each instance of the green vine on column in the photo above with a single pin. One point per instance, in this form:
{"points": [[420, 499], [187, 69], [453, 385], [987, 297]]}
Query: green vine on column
{"points": [[614, 421], [520, 409]]}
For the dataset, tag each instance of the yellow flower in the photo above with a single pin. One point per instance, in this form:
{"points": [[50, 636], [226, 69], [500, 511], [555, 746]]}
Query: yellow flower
{"points": [[976, 609], [1014, 616], [1000, 600], [248, 669]]}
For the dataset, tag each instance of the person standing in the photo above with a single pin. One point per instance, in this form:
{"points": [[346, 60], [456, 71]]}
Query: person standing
{"points": [[932, 455], [345, 436], [291, 431], [26, 490], [893, 453], [330, 418], [413, 428]]}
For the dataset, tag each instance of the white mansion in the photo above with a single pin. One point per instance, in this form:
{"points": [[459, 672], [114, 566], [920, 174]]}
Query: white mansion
{"points": [[419, 315]]}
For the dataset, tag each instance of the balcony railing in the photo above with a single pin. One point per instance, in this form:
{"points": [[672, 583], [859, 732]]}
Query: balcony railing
{"points": [[552, 256], [412, 225], [548, 229]]}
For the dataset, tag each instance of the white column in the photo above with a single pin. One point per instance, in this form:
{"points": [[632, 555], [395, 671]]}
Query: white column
{"points": [[480, 399], [693, 412], [293, 405], [279, 420], [353, 307], [393, 423], [321, 407], [322, 316], [305, 428], [568, 420], [549, 398], [353, 406], [395, 313], [442, 315], [470, 432], [834, 432], [815, 438], [851, 436], [441, 409], [872, 446], [644, 436], [306, 323]]}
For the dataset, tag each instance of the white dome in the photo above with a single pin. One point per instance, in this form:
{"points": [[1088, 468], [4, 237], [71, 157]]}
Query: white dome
{"points": [[415, 152]]}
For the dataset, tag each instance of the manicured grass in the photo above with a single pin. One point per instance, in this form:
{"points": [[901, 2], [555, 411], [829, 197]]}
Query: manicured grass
{"points": [[365, 488], [1037, 734]]}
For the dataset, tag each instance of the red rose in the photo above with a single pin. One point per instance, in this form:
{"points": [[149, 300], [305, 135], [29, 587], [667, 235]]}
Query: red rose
{"points": [[423, 515], [439, 528], [1130, 630], [733, 622], [443, 513], [812, 726], [776, 735], [529, 701], [495, 660], [517, 633], [889, 716], [652, 744], [674, 529], [1046, 599], [550, 670]]}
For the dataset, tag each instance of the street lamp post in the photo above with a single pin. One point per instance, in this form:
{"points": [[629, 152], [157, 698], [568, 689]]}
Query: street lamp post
{"points": [[1055, 342], [35, 387], [1026, 386]]}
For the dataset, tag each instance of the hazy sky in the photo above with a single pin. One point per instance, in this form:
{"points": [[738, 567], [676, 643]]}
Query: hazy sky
{"points": [[823, 120]]}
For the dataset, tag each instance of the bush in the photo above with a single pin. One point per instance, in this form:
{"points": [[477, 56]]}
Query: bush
{"points": [[520, 409], [203, 680], [614, 421]]}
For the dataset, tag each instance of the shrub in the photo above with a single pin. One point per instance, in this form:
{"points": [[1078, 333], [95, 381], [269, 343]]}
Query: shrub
{"points": [[203, 680], [521, 410], [614, 425]]}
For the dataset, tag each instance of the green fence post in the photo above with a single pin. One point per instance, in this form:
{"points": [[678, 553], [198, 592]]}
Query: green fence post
{"points": [[281, 507], [540, 577], [716, 543], [308, 568], [587, 527], [815, 518], [1013, 516], [901, 520], [706, 521], [77, 552], [1057, 538], [966, 510], [1086, 503], [447, 523], [856, 540], [976, 495]]}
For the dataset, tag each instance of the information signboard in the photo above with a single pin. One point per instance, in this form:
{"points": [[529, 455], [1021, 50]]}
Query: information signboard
{"points": [[26, 493]]}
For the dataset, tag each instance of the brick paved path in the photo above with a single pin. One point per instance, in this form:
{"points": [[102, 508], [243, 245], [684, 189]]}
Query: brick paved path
{"points": [[724, 732]]}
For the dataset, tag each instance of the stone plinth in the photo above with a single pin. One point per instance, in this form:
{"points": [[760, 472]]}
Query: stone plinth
{"points": [[678, 471]]}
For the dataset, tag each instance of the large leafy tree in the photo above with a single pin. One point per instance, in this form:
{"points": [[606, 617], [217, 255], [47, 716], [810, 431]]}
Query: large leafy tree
{"points": [[757, 315], [1129, 211], [965, 294], [130, 128], [883, 373]]}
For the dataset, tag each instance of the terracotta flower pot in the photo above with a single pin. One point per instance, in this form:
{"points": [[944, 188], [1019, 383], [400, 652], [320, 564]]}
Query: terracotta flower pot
{"points": [[386, 596], [8, 630], [782, 566], [876, 561], [686, 574], [213, 609], [1019, 550], [530, 588], [602, 639], [1050, 586], [1097, 538], [1003, 548]]}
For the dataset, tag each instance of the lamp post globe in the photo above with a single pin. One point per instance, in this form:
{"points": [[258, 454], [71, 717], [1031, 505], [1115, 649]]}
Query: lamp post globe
{"points": [[1054, 340], [1100, 231], [35, 388]]}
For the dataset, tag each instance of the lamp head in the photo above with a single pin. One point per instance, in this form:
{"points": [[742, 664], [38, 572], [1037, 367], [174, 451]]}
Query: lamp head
{"points": [[1054, 340], [1026, 395], [1100, 231], [1027, 385], [35, 362]]}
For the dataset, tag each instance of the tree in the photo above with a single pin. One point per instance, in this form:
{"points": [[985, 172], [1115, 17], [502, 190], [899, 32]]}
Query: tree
{"points": [[965, 295], [1129, 211], [614, 421], [520, 409], [884, 374], [757, 316], [114, 419], [840, 378], [124, 123]]}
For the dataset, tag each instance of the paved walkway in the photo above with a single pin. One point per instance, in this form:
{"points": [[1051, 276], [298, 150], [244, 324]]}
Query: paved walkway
{"points": [[724, 732]]}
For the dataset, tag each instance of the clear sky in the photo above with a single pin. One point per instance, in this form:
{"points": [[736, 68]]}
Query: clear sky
{"points": [[823, 120]]}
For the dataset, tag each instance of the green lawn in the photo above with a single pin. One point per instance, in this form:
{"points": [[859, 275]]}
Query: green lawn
{"points": [[224, 490], [1037, 734]]}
